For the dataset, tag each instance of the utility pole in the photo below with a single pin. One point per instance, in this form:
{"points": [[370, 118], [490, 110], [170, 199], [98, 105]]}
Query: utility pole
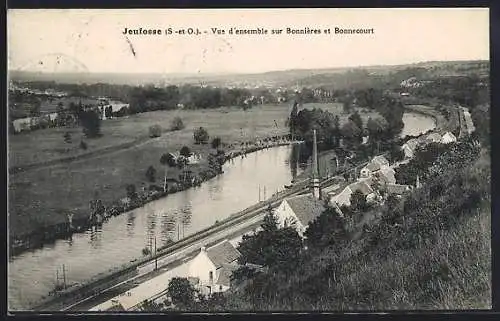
{"points": [[264, 193], [64, 276], [156, 258], [259, 192]]}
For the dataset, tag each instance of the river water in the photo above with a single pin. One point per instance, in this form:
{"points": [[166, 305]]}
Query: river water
{"points": [[32, 274]]}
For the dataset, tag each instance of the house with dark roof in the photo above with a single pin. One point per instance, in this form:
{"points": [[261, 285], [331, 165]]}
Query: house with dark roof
{"points": [[213, 267], [299, 211]]}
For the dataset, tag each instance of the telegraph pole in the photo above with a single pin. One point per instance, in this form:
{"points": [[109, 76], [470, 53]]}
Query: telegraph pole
{"points": [[64, 276], [156, 258]]}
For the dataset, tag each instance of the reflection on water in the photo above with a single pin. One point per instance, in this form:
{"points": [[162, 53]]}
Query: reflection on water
{"points": [[130, 223], [123, 237], [95, 239]]}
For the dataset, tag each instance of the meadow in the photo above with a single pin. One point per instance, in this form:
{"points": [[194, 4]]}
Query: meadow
{"points": [[42, 196]]}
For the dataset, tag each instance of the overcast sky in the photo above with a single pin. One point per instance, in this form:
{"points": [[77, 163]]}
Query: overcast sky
{"points": [[92, 40]]}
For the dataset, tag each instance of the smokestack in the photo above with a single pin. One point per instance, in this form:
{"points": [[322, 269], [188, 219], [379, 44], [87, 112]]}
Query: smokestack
{"points": [[315, 174]]}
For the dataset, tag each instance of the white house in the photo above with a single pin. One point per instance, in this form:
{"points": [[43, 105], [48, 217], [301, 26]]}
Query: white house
{"points": [[299, 211], [410, 147], [386, 175], [22, 124], [376, 164], [214, 266], [448, 137], [344, 197]]}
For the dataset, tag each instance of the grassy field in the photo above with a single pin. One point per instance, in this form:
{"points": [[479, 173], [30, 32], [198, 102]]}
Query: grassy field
{"points": [[42, 197]]}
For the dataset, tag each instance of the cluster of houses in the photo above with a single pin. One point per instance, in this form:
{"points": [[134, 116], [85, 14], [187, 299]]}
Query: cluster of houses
{"points": [[49, 119], [211, 269], [25, 90], [443, 137]]}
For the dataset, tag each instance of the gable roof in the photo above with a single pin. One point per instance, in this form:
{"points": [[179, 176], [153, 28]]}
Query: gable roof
{"points": [[225, 273], [305, 207], [387, 175], [433, 137], [397, 188], [222, 253], [361, 186], [449, 135], [412, 143], [380, 159]]}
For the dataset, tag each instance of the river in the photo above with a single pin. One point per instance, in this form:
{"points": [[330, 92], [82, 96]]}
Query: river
{"points": [[32, 274]]}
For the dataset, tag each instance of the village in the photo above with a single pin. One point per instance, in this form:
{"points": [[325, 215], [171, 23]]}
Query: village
{"points": [[209, 271]]}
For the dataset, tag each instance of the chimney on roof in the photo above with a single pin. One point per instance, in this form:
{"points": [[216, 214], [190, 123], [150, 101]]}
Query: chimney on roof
{"points": [[315, 173]]}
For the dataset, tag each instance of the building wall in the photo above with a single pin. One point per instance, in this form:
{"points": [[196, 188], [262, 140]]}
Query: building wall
{"points": [[284, 213], [344, 198], [407, 150], [201, 266], [365, 172]]}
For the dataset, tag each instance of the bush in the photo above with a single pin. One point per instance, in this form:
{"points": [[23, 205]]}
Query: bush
{"points": [[154, 131], [201, 136], [83, 145], [185, 151], [177, 124], [151, 174], [216, 142]]}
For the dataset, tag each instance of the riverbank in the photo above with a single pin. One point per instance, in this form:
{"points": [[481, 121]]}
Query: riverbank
{"points": [[441, 122], [80, 223]]}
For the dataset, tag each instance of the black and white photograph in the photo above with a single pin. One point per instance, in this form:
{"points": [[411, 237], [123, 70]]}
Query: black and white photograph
{"points": [[248, 160]]}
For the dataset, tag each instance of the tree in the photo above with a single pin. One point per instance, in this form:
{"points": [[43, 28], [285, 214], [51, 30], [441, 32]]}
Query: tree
{"points": [[216, 142], [154, 131], [185, 151], [151, 174], [177, 124], [181, 292], [131, 193], [91, 123], [167, 160], [293, 118], [34, 108], [352, 133], [326, 230], [347, 106], [358, 201], [201, 136], [356, 119], [272, 247]]}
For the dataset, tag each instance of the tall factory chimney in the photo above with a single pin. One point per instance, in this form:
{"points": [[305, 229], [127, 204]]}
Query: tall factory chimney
{"points": [[315, 173]]}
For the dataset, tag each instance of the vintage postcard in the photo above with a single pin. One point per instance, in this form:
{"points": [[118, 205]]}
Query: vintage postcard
{"points": [[249, 160]]}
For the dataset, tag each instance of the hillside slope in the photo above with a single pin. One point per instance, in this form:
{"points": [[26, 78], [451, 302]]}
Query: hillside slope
{"points": [[430, 251]]}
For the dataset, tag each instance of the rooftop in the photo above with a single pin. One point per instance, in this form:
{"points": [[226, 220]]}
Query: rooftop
{"points": [[223, 253], [362, 186], [397, 188], [305, 207]]}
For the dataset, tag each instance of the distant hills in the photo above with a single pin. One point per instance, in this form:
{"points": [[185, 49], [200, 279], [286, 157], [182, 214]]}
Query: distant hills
{"points": [[295, 77]]}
